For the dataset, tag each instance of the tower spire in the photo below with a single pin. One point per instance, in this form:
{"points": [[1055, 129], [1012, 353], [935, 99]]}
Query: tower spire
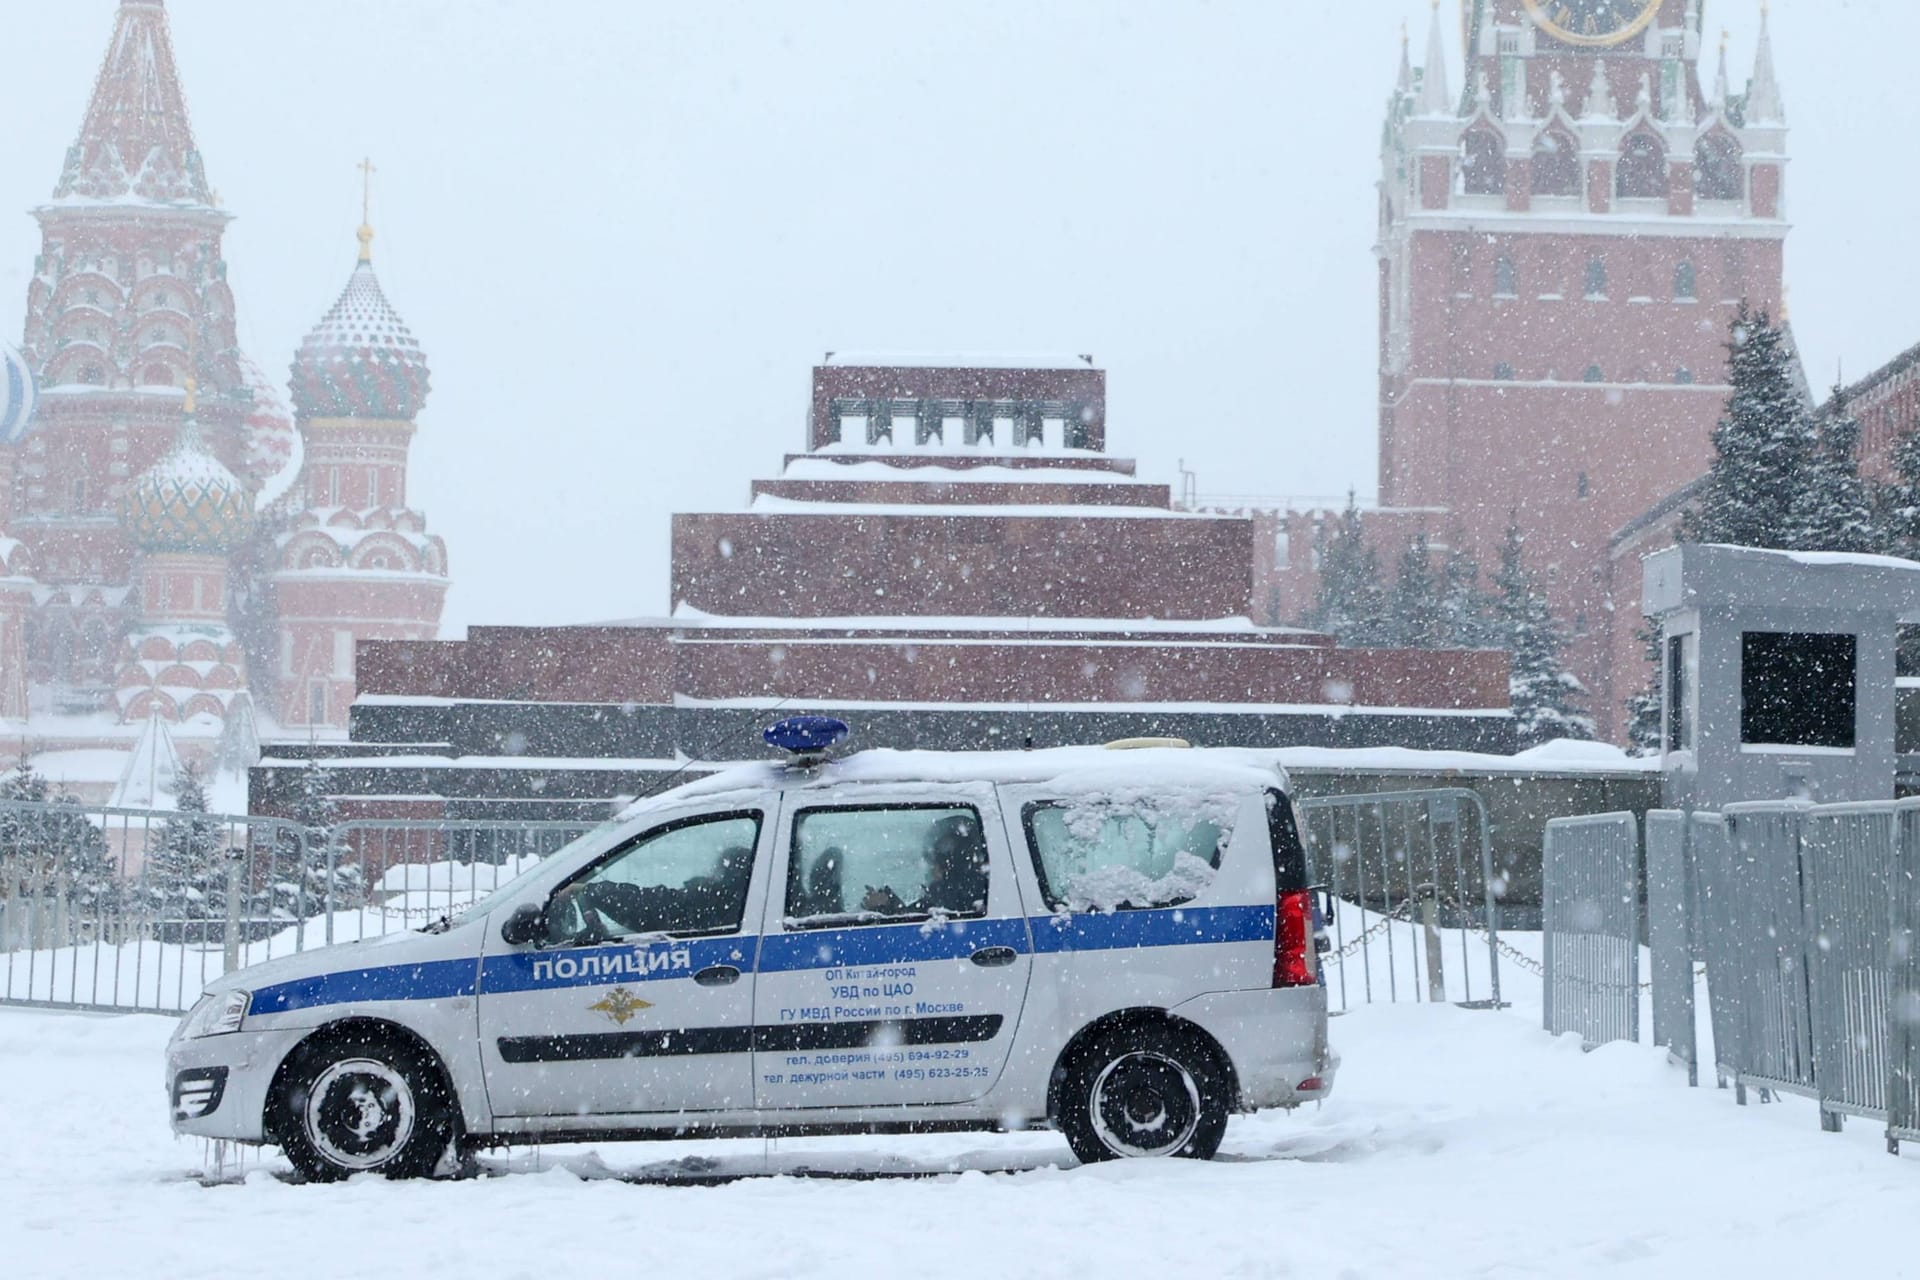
{"points": [[136, 139], [1403, 82], [1763, 91], [1720, 90], [367, 171], [1435, 100]]}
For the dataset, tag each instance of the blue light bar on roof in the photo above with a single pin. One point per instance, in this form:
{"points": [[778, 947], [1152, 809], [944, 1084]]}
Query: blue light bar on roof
{"points": [[805, 735]]}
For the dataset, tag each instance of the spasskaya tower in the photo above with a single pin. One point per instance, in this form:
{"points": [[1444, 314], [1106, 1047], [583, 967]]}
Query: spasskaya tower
{"points": [[1564, 238]]}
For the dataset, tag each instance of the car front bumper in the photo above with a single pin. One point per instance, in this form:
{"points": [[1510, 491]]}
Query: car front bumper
{"points": [[217, 1085]]}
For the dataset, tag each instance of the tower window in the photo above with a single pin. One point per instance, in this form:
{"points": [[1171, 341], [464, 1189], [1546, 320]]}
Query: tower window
{"points": [[1483, 163], [317, 702], [1683, 376], [91, 375], [1581, 488], [79, 494], [1718, 174], [1596, 277], [1683, 282], [1556, 165], [1504, 279], [1503, 372], [1642, 170], [1593, 374]]}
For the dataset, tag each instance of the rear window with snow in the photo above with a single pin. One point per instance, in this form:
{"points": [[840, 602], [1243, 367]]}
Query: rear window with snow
{"points": [[1111, 854]]}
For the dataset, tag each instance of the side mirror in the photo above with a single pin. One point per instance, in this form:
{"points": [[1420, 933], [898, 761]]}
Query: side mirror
{"points": [[528, 923]]}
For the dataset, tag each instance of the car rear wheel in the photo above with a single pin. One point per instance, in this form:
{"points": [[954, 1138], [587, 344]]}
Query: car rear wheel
{"points": [[359, 1105], [1144, 1091]]}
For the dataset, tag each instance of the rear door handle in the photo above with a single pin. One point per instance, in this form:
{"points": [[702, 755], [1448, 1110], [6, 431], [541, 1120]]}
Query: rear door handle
{"points": [[719, 975], [994, 957]]}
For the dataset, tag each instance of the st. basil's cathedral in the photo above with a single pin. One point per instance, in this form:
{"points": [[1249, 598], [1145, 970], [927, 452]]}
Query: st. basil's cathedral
{"points": [[184, 558]]}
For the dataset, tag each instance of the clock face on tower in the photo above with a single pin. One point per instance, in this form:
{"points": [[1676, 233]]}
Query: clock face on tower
{"points": [[1593, 23]]}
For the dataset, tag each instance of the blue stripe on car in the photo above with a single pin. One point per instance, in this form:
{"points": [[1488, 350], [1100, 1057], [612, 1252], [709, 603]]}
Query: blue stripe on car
{"points": [[777, 953]]}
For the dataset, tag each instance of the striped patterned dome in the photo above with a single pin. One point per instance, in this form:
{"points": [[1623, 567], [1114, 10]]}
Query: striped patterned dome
{"points": [[361, 361], [18, 396], [188, 501]]}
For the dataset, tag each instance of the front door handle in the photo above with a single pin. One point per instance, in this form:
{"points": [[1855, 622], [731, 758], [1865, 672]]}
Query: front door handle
{"points": [[719, 975], [994, 957]]}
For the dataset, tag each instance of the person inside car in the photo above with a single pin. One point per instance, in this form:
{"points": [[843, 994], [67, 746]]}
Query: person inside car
{"points": [[956, 875], [617, 908]]}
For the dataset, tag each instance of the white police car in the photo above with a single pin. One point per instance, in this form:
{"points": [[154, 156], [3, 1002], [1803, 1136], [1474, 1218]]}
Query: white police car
{"points": [[1118, 943]]}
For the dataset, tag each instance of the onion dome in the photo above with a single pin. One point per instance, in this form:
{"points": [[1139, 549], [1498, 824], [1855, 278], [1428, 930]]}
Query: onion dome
{"points": [[18, 395], [188, 501], [270, 432], [361, 361]]}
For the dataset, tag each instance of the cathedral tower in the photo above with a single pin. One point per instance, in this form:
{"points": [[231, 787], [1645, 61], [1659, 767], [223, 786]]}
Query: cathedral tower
{"points": [[355, 563], [1564, 238], [128, 301]]}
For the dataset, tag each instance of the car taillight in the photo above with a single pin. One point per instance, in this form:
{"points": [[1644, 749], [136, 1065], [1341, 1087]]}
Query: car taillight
{"points": [[1293, 958]]}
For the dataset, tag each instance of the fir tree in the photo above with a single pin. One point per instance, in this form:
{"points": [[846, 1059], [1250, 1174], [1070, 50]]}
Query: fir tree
{"points": [[1350, 605], [1546, 696], [1644, 707], [186, 873], [1464, 622], [1832, 510], [305, 884], [1897, 501], [1413, 610], [54, 848], [1764, 446]]}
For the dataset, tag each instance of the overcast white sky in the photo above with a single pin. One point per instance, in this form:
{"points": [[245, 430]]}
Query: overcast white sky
{"points": [[626, 229]]}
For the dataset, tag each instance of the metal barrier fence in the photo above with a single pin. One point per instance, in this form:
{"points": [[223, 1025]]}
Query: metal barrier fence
{"points": [[1670, 936], [112, 908], [1591, 927], [1413, 879], [136, 910], [1807, 917]]}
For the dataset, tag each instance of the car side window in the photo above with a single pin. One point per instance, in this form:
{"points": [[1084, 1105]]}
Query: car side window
{"points": [[1107, 855], [877, 864], [689, 877]]}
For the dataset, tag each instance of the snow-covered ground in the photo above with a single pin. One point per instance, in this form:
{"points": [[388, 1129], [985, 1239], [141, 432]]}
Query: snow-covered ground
{"points": [[1458, 1143]]}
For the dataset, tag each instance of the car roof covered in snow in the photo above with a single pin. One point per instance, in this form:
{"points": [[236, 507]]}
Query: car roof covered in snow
{"points": [[1076, 770]]}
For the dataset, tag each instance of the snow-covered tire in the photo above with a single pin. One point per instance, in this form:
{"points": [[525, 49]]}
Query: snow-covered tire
{"points": [[364, 1102], [1144, 1090]]}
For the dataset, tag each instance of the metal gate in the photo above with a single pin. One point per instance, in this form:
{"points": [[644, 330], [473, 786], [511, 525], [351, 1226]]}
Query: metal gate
{"points": [[1765, 949], [1903, 951], [1670, 916], [111, 908], [1412, 876], [1591, 923]]}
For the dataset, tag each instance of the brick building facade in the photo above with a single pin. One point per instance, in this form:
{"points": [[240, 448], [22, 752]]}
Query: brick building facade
{"points": [[1563, 242], [955, 562]]}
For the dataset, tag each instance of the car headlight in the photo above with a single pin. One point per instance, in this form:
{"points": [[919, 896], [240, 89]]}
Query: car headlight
{"points": [[216, 1015]]}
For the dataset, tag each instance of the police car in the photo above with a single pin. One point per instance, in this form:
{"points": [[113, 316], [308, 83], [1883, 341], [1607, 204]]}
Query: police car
{"points": [[1120, 944]]}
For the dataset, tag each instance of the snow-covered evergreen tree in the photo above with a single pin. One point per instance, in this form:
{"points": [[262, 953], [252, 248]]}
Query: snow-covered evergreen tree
{"points": [[1546, 696], [1832, 510], [1413, 610], [1764, 446], [1464, 621], [186, 872], [1897, 500], [54, 849], [304, 882], [1643, 708], [1350, 605]]}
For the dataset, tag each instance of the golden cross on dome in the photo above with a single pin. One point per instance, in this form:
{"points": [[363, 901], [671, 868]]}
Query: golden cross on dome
{"points": [[367, 171]]}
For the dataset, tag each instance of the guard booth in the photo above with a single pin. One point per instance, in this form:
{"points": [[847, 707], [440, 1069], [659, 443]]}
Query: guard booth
{"points": [[1779, 672]]}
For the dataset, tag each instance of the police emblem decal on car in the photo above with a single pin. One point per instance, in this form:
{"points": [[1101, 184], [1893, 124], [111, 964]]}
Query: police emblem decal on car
{"points": [[620, 1005]]}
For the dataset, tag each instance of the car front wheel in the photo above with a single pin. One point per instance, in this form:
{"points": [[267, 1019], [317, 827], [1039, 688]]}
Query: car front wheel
{"points": [[1144, 1091], [357, 1105]]}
